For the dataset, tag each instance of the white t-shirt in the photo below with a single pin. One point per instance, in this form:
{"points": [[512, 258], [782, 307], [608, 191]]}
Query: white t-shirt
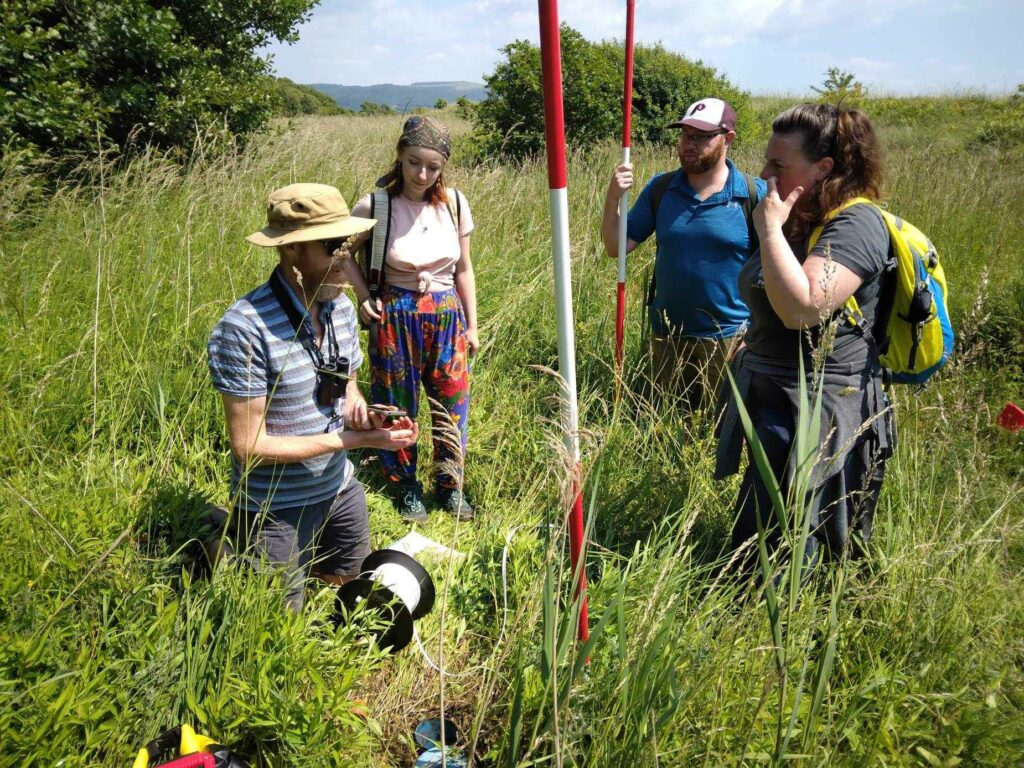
{"points": [[423, 239]]}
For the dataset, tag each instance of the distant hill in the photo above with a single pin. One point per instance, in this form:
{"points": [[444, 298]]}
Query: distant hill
{"points": [[402, 97], [291, 99]]}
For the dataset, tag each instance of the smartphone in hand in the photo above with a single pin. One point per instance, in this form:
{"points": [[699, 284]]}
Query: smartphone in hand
{"points": [[388, 412]]}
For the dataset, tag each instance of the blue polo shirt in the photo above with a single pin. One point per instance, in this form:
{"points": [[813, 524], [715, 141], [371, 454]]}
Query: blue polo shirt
{"points": [[701, 245]]}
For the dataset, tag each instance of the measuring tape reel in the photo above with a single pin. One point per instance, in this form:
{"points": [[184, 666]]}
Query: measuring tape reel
{"points": [[394, 586]]}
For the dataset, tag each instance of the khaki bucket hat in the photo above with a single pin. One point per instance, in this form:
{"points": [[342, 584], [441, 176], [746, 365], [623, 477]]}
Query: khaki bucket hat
{"points": [[299, 213]]}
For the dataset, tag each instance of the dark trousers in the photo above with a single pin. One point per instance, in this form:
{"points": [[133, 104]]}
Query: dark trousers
{"points": [[842, 505], [331, 537]]}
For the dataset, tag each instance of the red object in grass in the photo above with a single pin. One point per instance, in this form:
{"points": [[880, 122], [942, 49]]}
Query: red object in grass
{"points": [[1011, 418], [195, 760]]}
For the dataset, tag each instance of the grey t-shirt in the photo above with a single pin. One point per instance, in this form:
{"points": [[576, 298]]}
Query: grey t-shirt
{"points": [[858, 239]]}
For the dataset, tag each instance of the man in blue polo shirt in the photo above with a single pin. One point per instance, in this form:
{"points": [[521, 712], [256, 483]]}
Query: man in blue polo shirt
{"points": [[284, 358], [700, 217]]}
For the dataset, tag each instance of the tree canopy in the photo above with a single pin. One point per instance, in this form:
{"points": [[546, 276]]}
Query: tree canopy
{"points": [[292, 99], [90, 74], [510, 121], [373, 108]]}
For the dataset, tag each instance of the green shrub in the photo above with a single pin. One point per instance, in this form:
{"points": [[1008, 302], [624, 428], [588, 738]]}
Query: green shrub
{"points": [[510, 121], [292, 99], [840, 88], [373, 108], [464, 108], [96, 74]]}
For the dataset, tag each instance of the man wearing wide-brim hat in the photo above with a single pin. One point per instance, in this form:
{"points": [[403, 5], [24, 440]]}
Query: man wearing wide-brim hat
{"points": [[284, 358]]}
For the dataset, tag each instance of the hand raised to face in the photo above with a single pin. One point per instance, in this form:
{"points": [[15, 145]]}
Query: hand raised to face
{"points": [[772, 212]]}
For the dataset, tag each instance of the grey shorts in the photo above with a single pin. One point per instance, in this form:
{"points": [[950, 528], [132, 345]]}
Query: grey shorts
{"points": [[331, 537]]}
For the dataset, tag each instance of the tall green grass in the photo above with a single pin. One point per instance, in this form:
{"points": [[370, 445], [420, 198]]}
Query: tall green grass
{"points": [[113, 441]]}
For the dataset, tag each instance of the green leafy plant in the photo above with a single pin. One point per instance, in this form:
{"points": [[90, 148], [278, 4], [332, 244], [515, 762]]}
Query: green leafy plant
{"points": [[841, 89], [464, 108], [373, 108], [509, 122], [96, 75]]}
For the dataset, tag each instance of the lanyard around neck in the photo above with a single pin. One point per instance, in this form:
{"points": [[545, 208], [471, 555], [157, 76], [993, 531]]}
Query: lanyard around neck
{"points": [[302, 326]]}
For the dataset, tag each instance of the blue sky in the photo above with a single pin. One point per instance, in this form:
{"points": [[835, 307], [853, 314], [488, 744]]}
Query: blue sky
{"points": [[764, 46]]}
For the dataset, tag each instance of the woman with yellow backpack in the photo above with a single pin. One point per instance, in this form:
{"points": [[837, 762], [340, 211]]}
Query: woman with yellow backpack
{"points": [[817, 251]]}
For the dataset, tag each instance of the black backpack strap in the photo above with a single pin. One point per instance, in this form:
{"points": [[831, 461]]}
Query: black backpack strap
{"points": [[748, 211], [166, 743], [368, 245], [658, 188], [456, 213]]}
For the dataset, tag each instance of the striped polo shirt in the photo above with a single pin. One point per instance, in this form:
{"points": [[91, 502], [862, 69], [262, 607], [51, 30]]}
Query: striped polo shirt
{"points": [[254, 352]]}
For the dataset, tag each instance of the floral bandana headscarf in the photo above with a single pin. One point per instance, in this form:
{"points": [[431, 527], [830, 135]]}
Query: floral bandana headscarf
{"points": [[420, 131]]}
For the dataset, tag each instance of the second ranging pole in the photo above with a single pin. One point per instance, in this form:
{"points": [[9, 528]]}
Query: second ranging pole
{"points": [[627, 114], [554, 139]]}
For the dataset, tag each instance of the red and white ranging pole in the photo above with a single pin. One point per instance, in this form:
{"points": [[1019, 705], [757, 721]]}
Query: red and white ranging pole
{"points": [[554, 139], [627, 120]]}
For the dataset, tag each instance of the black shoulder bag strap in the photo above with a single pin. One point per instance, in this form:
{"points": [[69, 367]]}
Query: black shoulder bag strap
{"points": [[748, 211], [302, 330], [658, 189]]}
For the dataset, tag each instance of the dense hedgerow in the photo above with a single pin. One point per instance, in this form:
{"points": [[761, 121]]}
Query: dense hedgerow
{"points": [[510, 121], [95, 75]]}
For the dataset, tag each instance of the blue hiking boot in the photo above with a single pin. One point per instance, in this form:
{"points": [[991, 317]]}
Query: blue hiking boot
{"points": [[455, 501], [409, 501]]}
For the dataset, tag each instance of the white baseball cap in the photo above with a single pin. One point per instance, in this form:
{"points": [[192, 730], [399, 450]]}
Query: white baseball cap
{"points": [[708, 115]]}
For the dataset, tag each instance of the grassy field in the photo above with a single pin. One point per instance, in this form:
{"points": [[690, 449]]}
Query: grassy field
{"points": [[111, 440]]}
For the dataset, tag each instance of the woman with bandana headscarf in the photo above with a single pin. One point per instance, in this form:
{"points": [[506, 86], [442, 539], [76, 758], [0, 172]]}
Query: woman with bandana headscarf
{"points": [[423, 326]]}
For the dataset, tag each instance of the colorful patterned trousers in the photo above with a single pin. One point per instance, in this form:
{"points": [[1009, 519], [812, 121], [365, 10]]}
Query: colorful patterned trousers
{"points": [[421, 339]]}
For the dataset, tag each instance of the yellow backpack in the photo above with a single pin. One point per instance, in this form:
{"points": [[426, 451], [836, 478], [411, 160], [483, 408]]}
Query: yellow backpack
{"points": [[912, 331]]}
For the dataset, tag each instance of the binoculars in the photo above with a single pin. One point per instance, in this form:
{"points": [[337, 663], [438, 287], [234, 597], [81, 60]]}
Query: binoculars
{"points": [[332, 378]]}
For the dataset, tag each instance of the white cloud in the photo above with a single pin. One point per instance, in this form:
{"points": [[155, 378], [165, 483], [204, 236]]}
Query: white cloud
{"points": [[867, 67], [788, 42]]}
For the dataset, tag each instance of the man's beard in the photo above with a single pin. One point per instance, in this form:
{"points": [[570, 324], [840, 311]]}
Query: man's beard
{"points": [[328, 288], [329, 292], [704, 162]]}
